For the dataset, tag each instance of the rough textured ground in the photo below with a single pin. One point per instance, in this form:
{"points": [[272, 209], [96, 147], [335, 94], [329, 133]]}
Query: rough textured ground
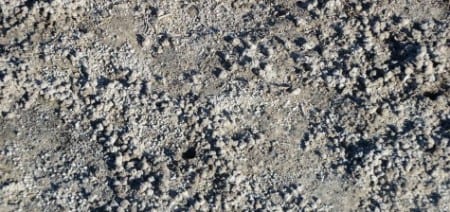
{"points": [[224, 105]]}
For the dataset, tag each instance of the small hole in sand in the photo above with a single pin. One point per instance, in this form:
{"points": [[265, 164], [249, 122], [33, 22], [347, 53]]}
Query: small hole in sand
{"points": [[189, 154]]}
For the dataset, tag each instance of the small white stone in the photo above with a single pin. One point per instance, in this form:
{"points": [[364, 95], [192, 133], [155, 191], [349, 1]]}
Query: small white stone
{"points": [[296, 91], [429, 69], [118, 161], [409, 70], [236, 42]]}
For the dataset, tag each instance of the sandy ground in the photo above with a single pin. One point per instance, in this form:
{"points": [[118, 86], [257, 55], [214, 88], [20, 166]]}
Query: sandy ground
{"points": [[270, 105]]}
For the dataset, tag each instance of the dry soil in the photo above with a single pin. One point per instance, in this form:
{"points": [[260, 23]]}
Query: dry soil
{"points": [[210, 105]]}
